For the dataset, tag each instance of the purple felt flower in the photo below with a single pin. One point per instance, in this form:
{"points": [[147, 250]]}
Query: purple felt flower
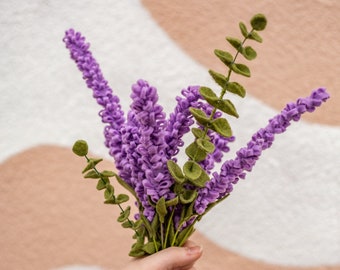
{"points": [[111, 113], [232, 170], [180, 120]]}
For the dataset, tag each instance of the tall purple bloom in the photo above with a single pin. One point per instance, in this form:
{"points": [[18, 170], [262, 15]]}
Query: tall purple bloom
{"points": [[180, 120], [111, 113], [232, 170]]}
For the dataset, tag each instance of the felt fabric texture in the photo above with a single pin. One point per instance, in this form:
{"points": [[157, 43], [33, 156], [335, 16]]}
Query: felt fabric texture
{"points": [[285, 215]]}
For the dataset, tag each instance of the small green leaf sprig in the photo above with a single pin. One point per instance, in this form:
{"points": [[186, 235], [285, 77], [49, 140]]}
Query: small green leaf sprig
{"points": [[192, 173], [80, 148]]}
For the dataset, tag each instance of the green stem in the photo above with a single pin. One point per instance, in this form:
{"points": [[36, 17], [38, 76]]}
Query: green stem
{"points": [[168, 226], [120, 207]]}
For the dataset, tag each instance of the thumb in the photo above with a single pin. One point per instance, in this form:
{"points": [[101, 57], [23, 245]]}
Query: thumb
{"points": [[182, 258]]}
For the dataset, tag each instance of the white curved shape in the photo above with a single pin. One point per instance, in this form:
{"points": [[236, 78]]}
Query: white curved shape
{"points": [[286, 212]]}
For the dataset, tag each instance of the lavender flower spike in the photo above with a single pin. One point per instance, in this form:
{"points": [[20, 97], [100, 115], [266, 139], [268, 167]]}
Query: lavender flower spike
{"points": [[222, 184], [112, 113]]}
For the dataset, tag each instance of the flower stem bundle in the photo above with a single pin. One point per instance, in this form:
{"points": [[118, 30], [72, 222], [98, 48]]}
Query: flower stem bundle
{"points": [[171, 197]]}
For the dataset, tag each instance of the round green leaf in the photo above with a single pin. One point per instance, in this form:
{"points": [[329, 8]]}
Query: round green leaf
{"points": [[198, 133], [249, 53], [243, 29], [80, 148], [101, 184], [208, 94], [175, 171], [227, 107], [124, 215], [121, 198], [224, 56], [236, 88], [221, 126], [240, 69], [255, 36], [192, 170], [220, 79], [195, 153], [205, 145], [200, 116], [188, 196], [258, 22], [235, 42]]}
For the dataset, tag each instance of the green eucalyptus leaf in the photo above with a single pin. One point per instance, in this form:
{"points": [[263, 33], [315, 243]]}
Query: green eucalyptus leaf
{"points": [[199, 133], [137, 251], [172, 202], [192, 170], [92, 174], [101, 184], [235, 42], [122, 198], [137, 224], [200, 116], [161, 209], [195, 153], [109, 192], [236, 88], [188, 196], [255, 36], [258, 22], [150, 247], [178, 189], [175, 171], [107, 173], [91, 164], [224, 56], [201, 181], [221, 126], [208, 94], [243, 29], [127, 224], [110, 201], [80, 148], [124, 215], [205, 145], [220, 79], [227, 107], [240, 69], [249, 53]]}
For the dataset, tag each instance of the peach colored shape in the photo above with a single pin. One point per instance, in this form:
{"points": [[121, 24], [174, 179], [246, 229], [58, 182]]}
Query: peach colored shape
{"points": [[300, 51]]}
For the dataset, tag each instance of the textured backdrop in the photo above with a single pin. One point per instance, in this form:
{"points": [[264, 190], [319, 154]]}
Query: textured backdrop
{"points": [[285, 215]]}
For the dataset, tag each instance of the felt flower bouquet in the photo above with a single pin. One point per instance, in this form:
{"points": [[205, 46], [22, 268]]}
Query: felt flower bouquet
{"points": [[171, 197]]}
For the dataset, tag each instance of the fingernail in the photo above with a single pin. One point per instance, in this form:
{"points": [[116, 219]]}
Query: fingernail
{"points": [[194, 250]]}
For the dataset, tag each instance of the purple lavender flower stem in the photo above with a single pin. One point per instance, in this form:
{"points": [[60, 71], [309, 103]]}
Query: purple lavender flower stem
{"points": [[180, 120], [154, 180], [112, 113], [232, 170]]}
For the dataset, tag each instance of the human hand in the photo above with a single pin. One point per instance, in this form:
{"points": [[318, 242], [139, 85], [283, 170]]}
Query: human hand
{"points": [[173, 258]]}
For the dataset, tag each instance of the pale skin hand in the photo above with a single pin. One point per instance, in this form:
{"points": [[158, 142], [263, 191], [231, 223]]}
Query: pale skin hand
{"points": [[174, 258]]}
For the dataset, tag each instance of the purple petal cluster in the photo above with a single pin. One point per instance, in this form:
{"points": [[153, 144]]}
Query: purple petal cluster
{"points": [[232, 170], [111, 113], [181, 120]]}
